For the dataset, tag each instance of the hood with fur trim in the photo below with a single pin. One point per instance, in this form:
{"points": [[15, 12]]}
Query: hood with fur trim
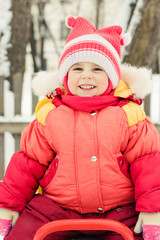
{"points": [[137, 79]]}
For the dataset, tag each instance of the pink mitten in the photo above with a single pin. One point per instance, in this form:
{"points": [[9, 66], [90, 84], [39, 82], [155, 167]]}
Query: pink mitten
{"points": [[5, 226], [151, 232]]}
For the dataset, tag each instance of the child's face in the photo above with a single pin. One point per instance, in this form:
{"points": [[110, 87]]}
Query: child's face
{"points": [[87, 79]]}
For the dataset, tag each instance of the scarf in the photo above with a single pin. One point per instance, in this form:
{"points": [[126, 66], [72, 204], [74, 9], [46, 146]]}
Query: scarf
{"points": [[89, 104]]}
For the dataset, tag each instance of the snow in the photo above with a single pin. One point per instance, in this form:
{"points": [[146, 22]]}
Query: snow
{"points": [[136, 17], [9, 115], [120, 10], [5, 33], [10, 149], [155, 99], [26, 108], [8, 102]]}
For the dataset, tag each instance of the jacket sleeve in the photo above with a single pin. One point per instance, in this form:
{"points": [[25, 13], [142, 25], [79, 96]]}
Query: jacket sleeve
{"points": [[35, 142], [20, 182], [26, 168], [143, 154]]}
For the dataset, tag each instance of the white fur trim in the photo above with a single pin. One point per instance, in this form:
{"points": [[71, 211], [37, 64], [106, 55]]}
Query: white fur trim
{"points": [[138, 79], [45, 82]]}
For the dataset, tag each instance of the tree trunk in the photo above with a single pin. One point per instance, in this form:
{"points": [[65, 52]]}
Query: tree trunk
{"points": [[2, 155], [98, 7], [1, 95], [20, 35], [146, 41]]}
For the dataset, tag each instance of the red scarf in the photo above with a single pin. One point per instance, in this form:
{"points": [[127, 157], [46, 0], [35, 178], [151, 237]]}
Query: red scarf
{"points": [[89, 104]]}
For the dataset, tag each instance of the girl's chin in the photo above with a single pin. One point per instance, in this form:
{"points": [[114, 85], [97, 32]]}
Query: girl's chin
{"points": [[87, 93]]}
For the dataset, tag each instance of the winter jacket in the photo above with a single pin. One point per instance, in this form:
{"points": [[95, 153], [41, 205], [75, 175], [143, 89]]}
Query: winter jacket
{"points": [[88, 162]]}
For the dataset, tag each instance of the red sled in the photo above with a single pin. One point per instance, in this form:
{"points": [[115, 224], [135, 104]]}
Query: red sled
{"points": [[84, 224]]}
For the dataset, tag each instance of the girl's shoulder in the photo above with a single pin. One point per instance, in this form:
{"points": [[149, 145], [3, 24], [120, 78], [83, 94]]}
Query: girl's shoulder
{"points": [[134, 113], [43, 108]]}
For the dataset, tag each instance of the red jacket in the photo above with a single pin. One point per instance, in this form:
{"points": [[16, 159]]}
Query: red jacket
{"points": [[86, 162]]}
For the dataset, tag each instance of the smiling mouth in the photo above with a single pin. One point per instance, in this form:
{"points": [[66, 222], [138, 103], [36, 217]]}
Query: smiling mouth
{"points": [[86, 87]]}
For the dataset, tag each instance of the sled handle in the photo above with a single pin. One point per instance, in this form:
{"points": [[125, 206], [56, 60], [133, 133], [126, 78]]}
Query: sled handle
{"points": [[83, 224]]}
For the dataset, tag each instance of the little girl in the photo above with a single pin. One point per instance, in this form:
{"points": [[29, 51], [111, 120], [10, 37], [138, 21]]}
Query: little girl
{"points": [[91, 148]]}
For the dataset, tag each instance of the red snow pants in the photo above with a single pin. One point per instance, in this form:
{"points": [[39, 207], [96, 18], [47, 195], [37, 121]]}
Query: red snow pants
{"points": [[41, 210]]}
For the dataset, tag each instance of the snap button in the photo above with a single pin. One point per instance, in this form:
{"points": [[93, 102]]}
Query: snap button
{"points": [[118, 209], [93, 158], [93, 113], [100, 209], [121, 162]]}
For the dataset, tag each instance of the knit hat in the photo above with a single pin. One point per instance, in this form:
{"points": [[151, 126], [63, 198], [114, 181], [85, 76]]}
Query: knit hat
{"points": [[86, 44]]}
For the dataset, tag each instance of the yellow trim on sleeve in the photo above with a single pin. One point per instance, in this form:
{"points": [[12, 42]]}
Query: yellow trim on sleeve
{"points": [[42, 110], [134, 113], [41, 103]]}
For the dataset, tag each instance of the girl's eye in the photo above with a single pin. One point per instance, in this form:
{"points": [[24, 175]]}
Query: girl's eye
{"points": [[97, 69], [77, 69]]}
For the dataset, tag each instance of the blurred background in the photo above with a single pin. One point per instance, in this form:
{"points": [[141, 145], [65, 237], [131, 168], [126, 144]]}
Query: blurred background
{"points": [[32, 35]]}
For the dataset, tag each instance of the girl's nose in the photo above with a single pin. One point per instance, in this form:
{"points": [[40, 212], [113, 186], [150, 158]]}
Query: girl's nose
{"points": [[86, 75]]}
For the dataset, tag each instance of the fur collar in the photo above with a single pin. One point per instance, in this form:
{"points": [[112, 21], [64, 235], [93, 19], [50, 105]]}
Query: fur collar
{"points": [[137, 79]]}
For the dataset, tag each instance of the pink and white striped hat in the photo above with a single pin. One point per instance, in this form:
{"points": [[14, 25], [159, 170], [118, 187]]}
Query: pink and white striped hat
{"points": [[86, 44]]}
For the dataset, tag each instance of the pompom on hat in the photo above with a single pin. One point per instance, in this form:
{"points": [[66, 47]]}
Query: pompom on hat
{"points": [[86, 44]]}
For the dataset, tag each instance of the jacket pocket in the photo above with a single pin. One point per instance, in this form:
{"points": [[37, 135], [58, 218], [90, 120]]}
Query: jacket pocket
{"points": [[124, 166], [50, 173]]}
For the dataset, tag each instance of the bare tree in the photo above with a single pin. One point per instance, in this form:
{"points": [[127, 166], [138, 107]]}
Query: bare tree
{"points": [[146, 40], [145, 44], [20, 34], [98, 7], [37, 45]]}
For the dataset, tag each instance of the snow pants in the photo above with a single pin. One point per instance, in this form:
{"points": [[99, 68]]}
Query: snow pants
{"points": [[41, 210]]}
